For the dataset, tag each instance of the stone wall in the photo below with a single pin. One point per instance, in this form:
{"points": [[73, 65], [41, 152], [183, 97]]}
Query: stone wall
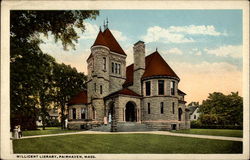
{"points": [[155, 109]]}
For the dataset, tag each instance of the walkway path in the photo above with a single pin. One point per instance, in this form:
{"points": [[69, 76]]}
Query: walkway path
{"points": [[149, 132]]}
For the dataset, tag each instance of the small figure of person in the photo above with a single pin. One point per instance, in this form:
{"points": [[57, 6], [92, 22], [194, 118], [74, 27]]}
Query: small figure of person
{"points": [[110, 119], [105, 121], [19, 131]]}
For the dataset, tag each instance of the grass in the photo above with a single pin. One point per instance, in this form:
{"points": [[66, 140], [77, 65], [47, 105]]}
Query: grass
{"points": [[213, 132], [123, 143], [48, 130]]}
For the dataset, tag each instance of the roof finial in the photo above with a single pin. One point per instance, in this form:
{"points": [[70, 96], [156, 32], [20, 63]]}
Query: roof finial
{"points": [[100, 28], [107, 22], [156, 49], [104, 25]]}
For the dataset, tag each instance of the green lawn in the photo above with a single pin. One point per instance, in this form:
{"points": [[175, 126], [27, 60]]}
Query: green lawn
{"points": [[213, 132], [123, 143], [48, 130]]}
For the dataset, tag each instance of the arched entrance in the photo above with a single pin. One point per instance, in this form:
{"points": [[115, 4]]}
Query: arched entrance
{"points": [[179, 114], [130, 114]]}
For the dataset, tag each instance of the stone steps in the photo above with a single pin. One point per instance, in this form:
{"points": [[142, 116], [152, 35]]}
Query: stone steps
{"points": [[125, 127]]}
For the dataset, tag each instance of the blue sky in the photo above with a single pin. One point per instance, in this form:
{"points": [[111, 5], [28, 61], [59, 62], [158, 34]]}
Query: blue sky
{"points": [[204, 47]]}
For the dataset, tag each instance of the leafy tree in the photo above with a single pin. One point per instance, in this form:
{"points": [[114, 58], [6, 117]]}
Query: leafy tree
{"points": [[68, 82], [220, 109], [30, 77]]}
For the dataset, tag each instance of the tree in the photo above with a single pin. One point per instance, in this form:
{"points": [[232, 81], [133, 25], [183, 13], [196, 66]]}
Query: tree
{"points": [[27, 25], [220, 109], [68, 82], [29, 72]]}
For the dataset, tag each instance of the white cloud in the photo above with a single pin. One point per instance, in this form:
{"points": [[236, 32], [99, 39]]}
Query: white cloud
{"points": [[198, 53], [90, 32], [158, 34], [192, 29], [118, 35], [226, 51], [177, 34], [174, 51]]}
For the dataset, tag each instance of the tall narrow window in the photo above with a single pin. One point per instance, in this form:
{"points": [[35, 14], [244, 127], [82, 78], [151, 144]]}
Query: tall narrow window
{"points": [[113, 67], [95, 86], [104, 63], [119, 68], [74, 113], [148, 88], [162, 106], [148, 108], [100, 89], [161, 87], [116, 68], [173, 107], [172, 86]]}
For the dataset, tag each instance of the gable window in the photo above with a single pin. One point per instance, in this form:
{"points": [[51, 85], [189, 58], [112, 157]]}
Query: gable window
{"points": [[194, 116], [74, 113], [173, 107], [172, 87], [100, 89], [148, 88], [162, 105], [113, 67], [161, 87], [148, 108], [104, 63]]}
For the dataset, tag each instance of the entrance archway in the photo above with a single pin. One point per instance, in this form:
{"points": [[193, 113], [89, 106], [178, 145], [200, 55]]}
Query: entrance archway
{"points": [[179, 114], [130, 114]]}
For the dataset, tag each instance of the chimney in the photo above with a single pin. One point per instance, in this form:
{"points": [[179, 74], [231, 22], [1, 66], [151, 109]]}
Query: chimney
{"points": [[139, 66], [139, 55]]}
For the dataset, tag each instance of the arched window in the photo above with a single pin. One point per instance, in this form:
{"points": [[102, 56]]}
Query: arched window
{"points": [[83, 114]]}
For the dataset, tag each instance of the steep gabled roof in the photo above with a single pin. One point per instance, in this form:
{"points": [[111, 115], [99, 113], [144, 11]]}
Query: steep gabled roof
{"points": [[80, 98], [192, 109], [181, 93], [124, 91], [107, 39], [155, 65]]}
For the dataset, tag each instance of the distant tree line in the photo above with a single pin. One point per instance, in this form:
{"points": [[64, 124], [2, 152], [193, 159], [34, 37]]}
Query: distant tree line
{"points": [[220, 111], [37, 81]]}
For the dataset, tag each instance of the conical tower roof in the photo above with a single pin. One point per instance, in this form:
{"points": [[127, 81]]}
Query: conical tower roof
{"points": [[100, 40], [112, 43], [157, 66]]}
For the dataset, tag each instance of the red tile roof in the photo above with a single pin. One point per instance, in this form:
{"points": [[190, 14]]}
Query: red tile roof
{"points": [[107, 39], [181, 93], [155, 65], [80, 98], [100, 40], [125, 91]]}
